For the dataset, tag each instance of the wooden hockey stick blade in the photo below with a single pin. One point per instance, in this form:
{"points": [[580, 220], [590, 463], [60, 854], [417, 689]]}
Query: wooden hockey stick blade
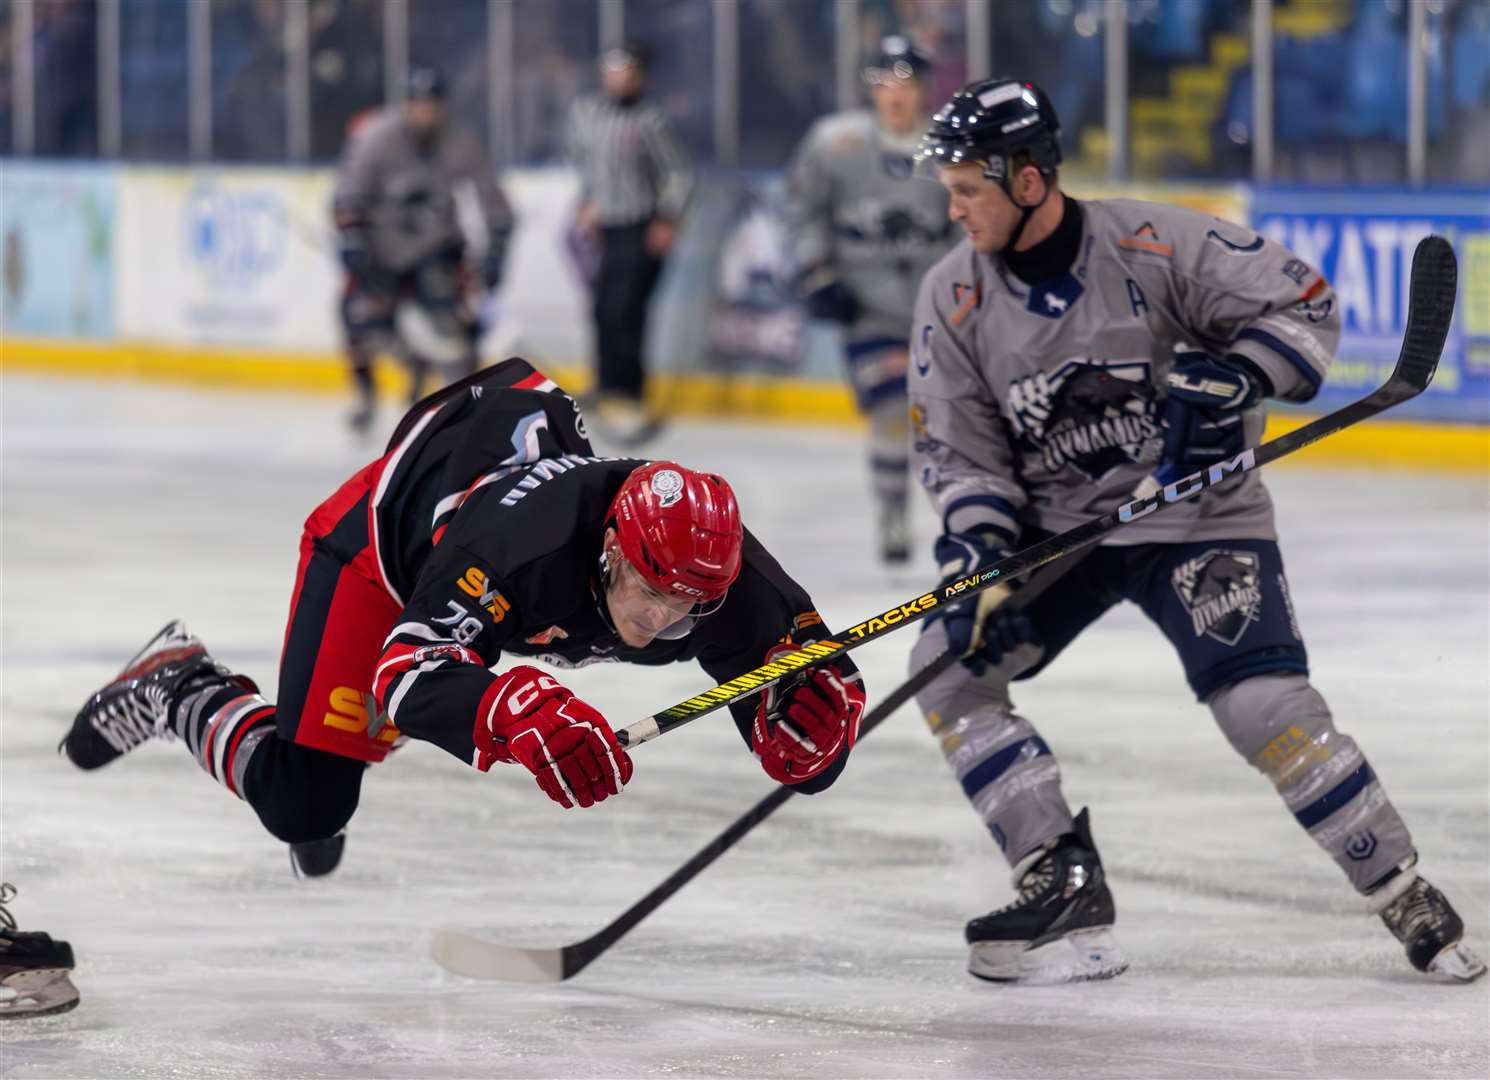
{"points": [[1432, 291], [477, 958]]}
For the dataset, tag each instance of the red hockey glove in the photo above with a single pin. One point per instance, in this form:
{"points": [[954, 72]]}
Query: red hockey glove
{"points": [[797, 733], [529, 718]]}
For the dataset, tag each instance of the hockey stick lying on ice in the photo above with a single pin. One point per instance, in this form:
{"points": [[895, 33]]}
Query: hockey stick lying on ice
{"points": [[466, 954], [1432, 292]]}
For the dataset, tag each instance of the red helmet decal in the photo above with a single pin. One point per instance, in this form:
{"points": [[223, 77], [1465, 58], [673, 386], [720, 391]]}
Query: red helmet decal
{"points": [[680, 529]]}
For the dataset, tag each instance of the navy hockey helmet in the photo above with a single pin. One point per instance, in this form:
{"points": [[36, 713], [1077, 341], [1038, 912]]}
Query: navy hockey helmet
{"points": [[988, 122], [898, 61], [425, 82]]}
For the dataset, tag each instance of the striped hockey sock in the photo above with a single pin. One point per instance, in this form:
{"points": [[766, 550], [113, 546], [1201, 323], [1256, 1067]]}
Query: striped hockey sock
{"points": [[222, 724]]}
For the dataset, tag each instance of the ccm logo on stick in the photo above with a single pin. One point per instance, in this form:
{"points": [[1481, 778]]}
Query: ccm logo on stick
{"points": [[1186, 486]]}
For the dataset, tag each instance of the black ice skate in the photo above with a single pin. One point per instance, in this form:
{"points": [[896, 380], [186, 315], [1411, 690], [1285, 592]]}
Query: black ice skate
{"points": [[1060, 927], [33, 969], [1429, 928], [317, 858], [137, 705]]}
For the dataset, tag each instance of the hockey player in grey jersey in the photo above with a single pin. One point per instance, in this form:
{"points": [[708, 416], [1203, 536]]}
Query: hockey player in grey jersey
{"points": [[401, 241], [863, 236], [1063, 353]]}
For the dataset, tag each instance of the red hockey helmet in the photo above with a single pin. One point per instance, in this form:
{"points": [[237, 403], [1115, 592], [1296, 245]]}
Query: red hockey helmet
{"points": [[680, 530]]}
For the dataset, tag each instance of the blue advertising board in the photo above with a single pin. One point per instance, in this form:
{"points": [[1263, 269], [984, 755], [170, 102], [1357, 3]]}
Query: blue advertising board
{"points": [[1362, 240], [56, 249]]}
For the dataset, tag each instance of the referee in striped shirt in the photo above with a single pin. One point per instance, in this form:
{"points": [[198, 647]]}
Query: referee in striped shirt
{"points": [[635, 181]]}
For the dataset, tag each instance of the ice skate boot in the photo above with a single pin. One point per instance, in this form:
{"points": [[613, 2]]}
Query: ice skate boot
{"points": [[1060, 927], [317, 858], [33, 969], [1429, 928], [895, 534], [137, 705]]}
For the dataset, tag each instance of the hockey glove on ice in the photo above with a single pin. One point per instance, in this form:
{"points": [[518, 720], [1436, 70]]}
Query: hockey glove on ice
{"points": [[527, 717], [800, 729], [960, 555]]}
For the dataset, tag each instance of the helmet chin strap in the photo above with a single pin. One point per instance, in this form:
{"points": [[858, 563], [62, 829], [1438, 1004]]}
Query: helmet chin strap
{"points": [[1025, 212]]}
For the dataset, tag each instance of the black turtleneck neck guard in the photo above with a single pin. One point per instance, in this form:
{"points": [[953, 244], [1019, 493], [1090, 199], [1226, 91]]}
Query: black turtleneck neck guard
{"points": [[1054, 255]]}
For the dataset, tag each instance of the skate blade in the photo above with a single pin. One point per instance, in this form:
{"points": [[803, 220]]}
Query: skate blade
{"points": [[1078, 957], [1457, 962], [41, 992]]}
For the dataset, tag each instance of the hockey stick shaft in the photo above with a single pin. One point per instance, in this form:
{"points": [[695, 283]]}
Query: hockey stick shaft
{"points": [[468, 955], [1432, 292]]}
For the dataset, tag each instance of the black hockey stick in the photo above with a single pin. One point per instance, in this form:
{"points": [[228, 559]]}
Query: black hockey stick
{"points": [[466, 954], [1431, 295]]}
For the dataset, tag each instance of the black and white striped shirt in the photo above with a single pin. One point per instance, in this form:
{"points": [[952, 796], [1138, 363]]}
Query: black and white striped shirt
{"points": [[632, 167]]}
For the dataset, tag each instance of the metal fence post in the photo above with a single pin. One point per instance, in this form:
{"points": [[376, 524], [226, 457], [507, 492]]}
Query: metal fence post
{"points": [[1262, 91], [395, 50], [979, 39], [22, 77], [501, 83], [1115, 107], [727, 82], [1417, 93], [612, 16], [846, 51], [199, 80], [297, 80], [110, 120]]}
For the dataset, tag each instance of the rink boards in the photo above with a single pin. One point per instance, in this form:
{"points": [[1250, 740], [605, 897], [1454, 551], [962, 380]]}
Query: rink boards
{"points": [[229, 276]]}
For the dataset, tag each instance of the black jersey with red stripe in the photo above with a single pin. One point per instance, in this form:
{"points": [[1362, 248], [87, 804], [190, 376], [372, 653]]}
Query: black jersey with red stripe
{"points": [[490, 521]]}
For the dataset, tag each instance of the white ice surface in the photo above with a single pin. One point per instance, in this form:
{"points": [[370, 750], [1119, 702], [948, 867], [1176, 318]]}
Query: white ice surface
{"points": [[826, 944]]}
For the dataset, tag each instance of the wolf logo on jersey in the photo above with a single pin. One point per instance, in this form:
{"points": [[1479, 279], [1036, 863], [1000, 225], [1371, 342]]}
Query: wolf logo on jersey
{"points": [[897, 229], [1220, 589], [1094, 415]]}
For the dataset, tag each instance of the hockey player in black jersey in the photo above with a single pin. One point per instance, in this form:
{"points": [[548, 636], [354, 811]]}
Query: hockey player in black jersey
{"points": [[488, 528]]}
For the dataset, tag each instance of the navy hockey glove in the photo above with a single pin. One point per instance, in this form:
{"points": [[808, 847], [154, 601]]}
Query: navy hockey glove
{"points": [[1202, 414], [355, 251], [825, 297], [1205, 382], [495, 262], [960, 555]]}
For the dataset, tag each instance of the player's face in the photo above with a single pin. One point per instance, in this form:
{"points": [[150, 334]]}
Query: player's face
{"points": [[425, 114], [980, 206], [639, 612], [622, 79], [898, 103]]}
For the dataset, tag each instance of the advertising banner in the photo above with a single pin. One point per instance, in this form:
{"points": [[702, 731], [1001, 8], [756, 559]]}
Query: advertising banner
{"points": [[1362, 241], [233, 257], [57, 232]]}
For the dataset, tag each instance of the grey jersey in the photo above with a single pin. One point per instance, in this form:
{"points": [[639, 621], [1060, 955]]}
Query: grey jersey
{"points": [[1039, 406], [854, 207], [405, 193]]}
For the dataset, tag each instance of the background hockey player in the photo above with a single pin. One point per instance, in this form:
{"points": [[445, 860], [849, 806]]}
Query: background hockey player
{"points": [[451, 551], [34, 968], [635, 183], [864, 235], [408, 283], [1063, 351]]}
